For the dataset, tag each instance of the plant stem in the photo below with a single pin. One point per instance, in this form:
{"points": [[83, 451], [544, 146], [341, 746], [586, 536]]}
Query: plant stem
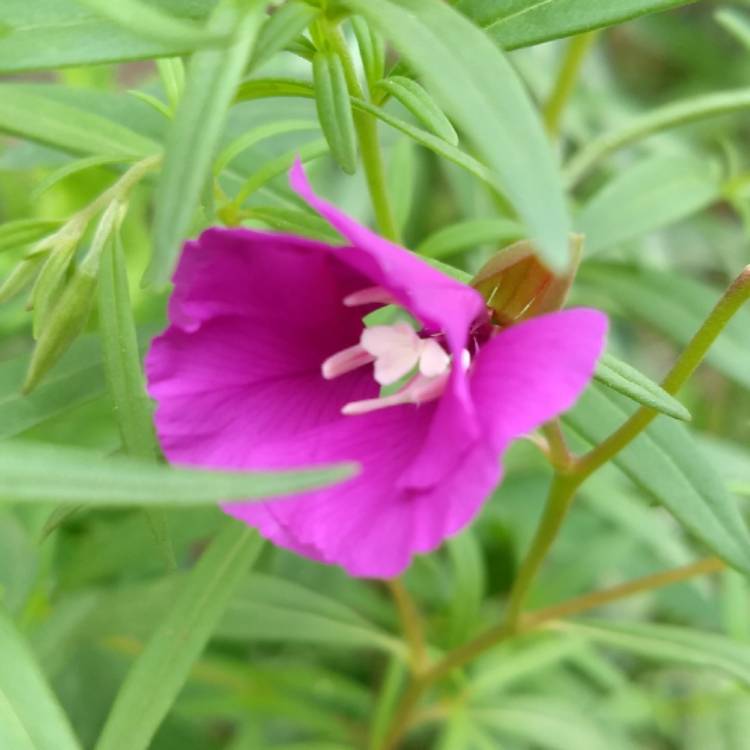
{"points": [[366, 126], [567, 480], [559, 500], [584, 603], [534, 621], [411, 622], [731, 301], [566, 80]]}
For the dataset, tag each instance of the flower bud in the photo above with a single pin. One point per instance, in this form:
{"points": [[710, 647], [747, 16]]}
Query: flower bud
{"points": [[63, 324], [19, 278], [517, 284]]}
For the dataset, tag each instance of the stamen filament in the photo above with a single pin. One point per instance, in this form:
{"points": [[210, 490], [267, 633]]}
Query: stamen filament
{"points": [[345, 361]]}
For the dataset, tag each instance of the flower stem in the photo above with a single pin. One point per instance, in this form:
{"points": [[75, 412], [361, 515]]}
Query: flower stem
{"points": [[534, 621], [566, 80], [411, 622], [559, 500], [731, 301], [568, 478], [366, 126]]}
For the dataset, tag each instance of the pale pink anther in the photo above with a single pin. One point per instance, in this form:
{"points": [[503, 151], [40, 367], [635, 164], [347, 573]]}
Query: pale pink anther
{"points": [[419, 390], [398, 350], [373, 295], [345, 361]]}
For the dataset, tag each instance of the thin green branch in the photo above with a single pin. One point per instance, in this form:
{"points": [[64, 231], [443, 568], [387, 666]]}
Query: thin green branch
{"points": [[565, 83]]}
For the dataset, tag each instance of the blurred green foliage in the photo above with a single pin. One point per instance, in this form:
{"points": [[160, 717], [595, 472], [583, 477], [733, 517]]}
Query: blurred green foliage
{"points": [[299, 656]]}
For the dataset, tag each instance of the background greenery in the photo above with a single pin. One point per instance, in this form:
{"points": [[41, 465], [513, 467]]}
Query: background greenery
{"points": [[105, 612]]}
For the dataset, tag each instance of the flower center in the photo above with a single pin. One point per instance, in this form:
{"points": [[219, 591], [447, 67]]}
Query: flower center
{"points": [[395, 351]]}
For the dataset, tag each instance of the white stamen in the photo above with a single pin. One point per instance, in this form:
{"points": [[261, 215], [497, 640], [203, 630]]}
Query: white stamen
{"points": [[419, 390], [433, 359], [396, 350], [345, 361], [373, 295]]}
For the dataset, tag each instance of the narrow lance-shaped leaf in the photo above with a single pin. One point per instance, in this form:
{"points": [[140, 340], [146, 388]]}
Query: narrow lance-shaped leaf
{"points": [[159, 673], [521, 23], [621, 377], [124, 374], [662, 118], [285, 24], [30, 716], [652, 194], [666, 465], [76, 380], [212, 78], [59, 33], [37, 473], [30, 114], [477, 87], [334, 109], [146, 20], [669, 643], [676, 306], [469, 234], [371, 50], [421, 105], [271, 87]]}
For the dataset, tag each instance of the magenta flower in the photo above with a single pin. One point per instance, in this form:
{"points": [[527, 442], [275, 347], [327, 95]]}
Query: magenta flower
{"points": [[267, 364]]}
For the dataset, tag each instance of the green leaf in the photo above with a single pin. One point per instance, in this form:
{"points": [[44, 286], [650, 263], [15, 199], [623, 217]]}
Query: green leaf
{"points": [[521, 23], [295, 221], [421, 105], [277, 166], [31, 114], [655, 120], [30, 716], [656, 192], [676, 306], [477, 87], [59, 33], [371, 50], [666, 465], [256, 135], [546, 722], [212, 78], [69, 169], [468, 587], [36, 473], [124, 374], [146, 20], [468, 234], [77, 379], [334, 109], [736, 23], [272, 87], [271, 609], [669, 643], [621, 377], [284, 25], [22, 232], [158, 675]]}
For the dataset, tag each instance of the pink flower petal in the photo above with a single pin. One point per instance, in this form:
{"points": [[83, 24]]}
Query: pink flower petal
{"points": [[367, 525], [533, 371]]}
